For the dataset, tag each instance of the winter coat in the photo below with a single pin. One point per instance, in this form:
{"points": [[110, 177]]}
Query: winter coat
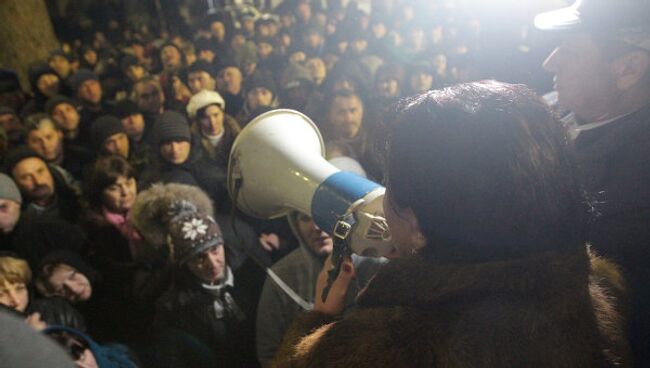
{"points": [[188, 310], [221, 153], [545, 310], [299, 270], [614, 167]]}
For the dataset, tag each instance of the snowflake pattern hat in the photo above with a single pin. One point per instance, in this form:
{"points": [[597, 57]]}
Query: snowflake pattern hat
{"points": [[191, 232]]}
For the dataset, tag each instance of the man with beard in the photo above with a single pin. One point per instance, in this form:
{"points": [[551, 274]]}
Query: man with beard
{"points": [[45, 138], [45, 191]]}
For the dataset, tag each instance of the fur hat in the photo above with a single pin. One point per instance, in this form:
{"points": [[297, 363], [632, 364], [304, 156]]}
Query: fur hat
{"points": [[191, 232], [150, 211], [203, 99]]}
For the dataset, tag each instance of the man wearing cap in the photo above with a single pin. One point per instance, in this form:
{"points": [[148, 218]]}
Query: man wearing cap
{"points": [[134, 123], [178, 159], [229, 85], [217, 129], [200, 77], [32, 237], [45, 191], [65, 114], [109, 137], [11, 124], [87, 89], [208, 300], [45, 138], [602, 75], [259, 92]]}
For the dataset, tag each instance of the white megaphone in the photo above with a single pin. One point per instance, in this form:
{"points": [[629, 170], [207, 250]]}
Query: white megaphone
{"points": [[277, 165]]}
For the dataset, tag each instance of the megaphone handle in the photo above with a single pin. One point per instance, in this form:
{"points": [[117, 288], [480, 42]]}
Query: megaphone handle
{"points": [[340, 250]]}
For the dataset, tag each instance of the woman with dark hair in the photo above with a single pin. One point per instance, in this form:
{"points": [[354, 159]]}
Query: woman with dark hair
{"points": [[110, 193], [491, 265]]}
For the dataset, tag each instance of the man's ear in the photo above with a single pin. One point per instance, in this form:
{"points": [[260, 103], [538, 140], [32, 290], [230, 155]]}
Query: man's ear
{"points": [[630, 69]]}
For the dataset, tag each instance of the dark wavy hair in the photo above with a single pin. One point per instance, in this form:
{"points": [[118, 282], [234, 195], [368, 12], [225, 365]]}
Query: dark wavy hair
{"points": [[105, 173], [488, 171]]}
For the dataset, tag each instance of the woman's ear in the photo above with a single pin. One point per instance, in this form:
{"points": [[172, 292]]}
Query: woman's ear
{"points": [[418, 240]]}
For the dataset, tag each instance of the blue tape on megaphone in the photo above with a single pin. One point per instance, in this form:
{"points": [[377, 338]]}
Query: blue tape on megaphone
{"points": [[335, 195]]}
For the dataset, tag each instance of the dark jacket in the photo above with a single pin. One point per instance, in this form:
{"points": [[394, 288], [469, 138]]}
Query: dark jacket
{"points": [[547, 310], [189, 309], [66, 206], [614, 165], [221, 153]]}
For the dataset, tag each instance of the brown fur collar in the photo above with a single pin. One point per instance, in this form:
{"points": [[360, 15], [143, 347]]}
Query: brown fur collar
{"points": [[415, 281]]}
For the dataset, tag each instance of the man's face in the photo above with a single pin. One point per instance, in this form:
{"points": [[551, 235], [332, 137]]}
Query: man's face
{"points": [[229, 80], [345, 117], [264, 50], [317, 69], [170, 57], [211, 120], [206, 55], [209, 266], [117, 144], [61, 65], [11, 124], [66, 116], [317, 240], [135, 72], [149, 98], [200, 80], [259, 96], [47, 142], [583, 76], [218, 31], [175, 152], [421, 82], [388, 87], [313, 40], [90, 91], [134, 125], [9, 215], [34, 179], [48, 84]]}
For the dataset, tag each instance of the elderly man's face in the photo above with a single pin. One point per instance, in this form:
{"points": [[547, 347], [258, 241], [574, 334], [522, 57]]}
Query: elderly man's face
{"points": [[583, 76], [149, 97], [346, 116], [230, 80], [34, 179]]}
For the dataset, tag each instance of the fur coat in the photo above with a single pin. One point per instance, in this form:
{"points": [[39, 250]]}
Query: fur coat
{"points": [[548, 310]]}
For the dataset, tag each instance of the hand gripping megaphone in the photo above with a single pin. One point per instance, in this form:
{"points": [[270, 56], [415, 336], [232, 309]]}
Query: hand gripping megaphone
{"points": [[277, 165]]}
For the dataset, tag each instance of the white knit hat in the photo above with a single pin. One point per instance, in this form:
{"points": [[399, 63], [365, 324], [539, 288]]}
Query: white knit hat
{"points": [[203, 99]]}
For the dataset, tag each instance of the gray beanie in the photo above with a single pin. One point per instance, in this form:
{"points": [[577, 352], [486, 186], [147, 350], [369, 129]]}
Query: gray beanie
{"points": [[9, 190], [172, 126]]}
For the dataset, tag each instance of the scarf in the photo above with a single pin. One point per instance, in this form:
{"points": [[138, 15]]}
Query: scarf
{"points": [[224, 304], [122, 222]]}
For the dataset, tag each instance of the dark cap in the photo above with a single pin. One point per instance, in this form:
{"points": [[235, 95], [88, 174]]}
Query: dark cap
{"points": [[18, 154], [78, 78], [172, 126], [259, 80], [55, 101], [627, 20], [201, 66], [126, 108], [104, 127]]}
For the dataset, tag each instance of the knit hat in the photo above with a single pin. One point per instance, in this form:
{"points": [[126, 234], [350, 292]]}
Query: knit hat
{"points": [[55, 101], [295, 75], [201, 66], [78, 78], [18, 154], [9, 190], [36, 71], [259, 80], [104, 127], [9, 80], [7, 110], [203, 99], [191, 232], [171, 126], [126, 108]]}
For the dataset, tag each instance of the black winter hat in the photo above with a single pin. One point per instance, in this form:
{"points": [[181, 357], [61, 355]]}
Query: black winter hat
{"points": [[104, 127], [55, 101], [16, 155], [259, 80], [36, 71], [171, 126], [78, 78], [126, 108]]}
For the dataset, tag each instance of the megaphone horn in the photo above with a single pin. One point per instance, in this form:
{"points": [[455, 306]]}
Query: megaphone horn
{"points": [[277, 165]]}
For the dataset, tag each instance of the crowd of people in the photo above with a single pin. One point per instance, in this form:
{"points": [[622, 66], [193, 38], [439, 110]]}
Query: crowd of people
{"points": [[119, 239]]}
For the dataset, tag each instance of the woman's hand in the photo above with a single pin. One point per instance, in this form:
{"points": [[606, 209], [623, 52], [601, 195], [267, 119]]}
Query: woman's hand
{"points": [[269, 242], [335, 301], [34, 321]]}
